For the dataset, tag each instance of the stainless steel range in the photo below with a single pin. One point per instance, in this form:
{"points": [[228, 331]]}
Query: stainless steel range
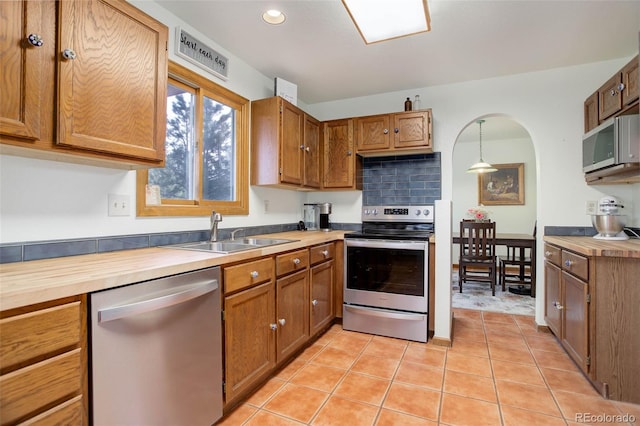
{"points": [[386, 289]]}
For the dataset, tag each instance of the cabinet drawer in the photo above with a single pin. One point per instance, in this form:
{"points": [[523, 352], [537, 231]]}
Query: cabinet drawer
{"points": [[247, 274], [291, 262], [35, 334], [68, 413], [26, 390], [552, 254], [576, 264], [322, 252]]}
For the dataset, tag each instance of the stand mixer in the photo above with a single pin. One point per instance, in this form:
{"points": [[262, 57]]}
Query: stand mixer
{"points": [[608, 222]]}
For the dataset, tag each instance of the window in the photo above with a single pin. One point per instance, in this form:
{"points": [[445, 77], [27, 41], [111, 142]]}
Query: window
{"points": [[207, 144]]}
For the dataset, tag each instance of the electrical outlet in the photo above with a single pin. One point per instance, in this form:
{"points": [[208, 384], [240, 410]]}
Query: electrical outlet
{"points": [[266, 206], [592, 207], [119, 205]]}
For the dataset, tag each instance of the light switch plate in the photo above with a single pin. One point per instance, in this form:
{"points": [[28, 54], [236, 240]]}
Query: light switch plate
{"points": [[119, 205]]}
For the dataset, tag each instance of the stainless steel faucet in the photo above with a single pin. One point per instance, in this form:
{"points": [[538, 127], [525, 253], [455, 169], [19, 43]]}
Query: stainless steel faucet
{"points": [[215, 219], [233, 233]]}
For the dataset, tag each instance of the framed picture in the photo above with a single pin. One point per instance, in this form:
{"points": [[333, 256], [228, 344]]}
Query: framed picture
{"points": [[504, 187]]}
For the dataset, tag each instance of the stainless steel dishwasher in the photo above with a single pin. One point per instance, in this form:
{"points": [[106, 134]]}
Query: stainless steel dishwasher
{"points": [[156, 352]]}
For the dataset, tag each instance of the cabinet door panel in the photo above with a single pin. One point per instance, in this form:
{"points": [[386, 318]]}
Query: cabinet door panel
{"points": [[292, 313], [553, 300], [609, 98], [411, 130], [322, 298], [591, 112], [22, 67], [339, 155], [630, 81], [575, 337], [292, 144], [113, 90], [249, 339], [311, 152], [373, 132]]}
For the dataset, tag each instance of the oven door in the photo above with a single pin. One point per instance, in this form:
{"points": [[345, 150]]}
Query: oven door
{"points": [[390, 274]]}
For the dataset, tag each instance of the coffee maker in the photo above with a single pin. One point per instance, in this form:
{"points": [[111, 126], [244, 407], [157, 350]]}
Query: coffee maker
{"points": [[325, 211], [316, 216]]}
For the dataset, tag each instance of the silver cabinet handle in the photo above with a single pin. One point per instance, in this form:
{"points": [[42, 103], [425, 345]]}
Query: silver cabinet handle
{"points": [[254, 274], [282, 321], [302, 147], [314, 302], [273, 326], [35, 40], [547, 253], [296, 261], [307, 149], [396, 130], [183, 294], [568, 263], [349, 153], [621, 87], [558, 306], [69, 54], [325, 253], [386, 131]]}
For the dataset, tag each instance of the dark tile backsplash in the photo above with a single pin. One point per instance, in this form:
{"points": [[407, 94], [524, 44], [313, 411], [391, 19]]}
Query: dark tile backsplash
{"points": [[18, 252], [401, 180]]}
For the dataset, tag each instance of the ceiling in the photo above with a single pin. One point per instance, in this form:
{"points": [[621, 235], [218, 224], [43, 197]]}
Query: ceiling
{"points": [[319, 49]]}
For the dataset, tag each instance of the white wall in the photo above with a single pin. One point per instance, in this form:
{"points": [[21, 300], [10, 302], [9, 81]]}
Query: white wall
{"points": [[516, 218]]}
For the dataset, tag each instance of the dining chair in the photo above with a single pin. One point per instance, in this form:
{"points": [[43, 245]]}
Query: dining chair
{"points": [[518, 258], [477, 260]]}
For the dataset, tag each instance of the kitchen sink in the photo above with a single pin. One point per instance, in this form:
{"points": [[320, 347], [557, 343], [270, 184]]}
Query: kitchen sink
{"points": [[231, 246]]}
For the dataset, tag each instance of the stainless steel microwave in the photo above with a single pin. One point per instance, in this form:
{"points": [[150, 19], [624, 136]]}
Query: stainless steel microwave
{"points": [[615, 141]]}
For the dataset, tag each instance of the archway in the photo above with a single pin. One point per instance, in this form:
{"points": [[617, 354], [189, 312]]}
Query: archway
{"points": [[505, 143]]}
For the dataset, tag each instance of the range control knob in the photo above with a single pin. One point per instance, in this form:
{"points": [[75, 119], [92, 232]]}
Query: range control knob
{"points": [[418, 212], [426, 212], [375, 212]]}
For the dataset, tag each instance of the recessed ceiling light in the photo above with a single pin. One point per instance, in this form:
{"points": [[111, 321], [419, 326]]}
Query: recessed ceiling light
{"points": [[274, 17]]}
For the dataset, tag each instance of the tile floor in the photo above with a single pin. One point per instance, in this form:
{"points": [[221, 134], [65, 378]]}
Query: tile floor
{"points": [[499, 371]]}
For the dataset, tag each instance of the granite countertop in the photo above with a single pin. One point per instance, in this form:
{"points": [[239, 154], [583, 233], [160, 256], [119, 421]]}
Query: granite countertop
{"points": [[589, 246], [37, 281]]}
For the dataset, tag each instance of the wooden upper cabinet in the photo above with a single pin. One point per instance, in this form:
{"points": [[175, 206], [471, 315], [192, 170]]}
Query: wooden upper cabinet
{"points": [[108, 107], [24, 44], [412, 129], [342, 168], [591, 112], [285, 143], [312, 154], [387, 134], [374, 132], [291, 145], [630, 81], [619, 91], [112, 79]]}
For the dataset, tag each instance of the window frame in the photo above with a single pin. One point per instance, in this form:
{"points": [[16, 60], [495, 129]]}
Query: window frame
{"points": [[198, 207]]}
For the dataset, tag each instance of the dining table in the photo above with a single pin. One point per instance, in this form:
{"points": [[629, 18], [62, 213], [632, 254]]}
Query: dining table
{"points": [[515, 240]]}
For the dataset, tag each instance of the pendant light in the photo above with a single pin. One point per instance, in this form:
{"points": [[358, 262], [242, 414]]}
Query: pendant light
{"points": [[481, 166]]}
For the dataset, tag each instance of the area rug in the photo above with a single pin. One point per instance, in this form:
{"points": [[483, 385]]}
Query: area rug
{"points": [[477, 295]]}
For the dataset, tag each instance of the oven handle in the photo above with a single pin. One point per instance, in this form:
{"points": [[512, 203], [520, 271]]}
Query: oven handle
{"points": [[392, 244], [384, 314]]}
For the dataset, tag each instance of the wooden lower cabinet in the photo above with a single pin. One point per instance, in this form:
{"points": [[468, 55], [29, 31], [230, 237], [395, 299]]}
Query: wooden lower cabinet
{"points": [[591, 307], [268, 308], [250, 338], [292, 295], [43, 363], [322, 287]]}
